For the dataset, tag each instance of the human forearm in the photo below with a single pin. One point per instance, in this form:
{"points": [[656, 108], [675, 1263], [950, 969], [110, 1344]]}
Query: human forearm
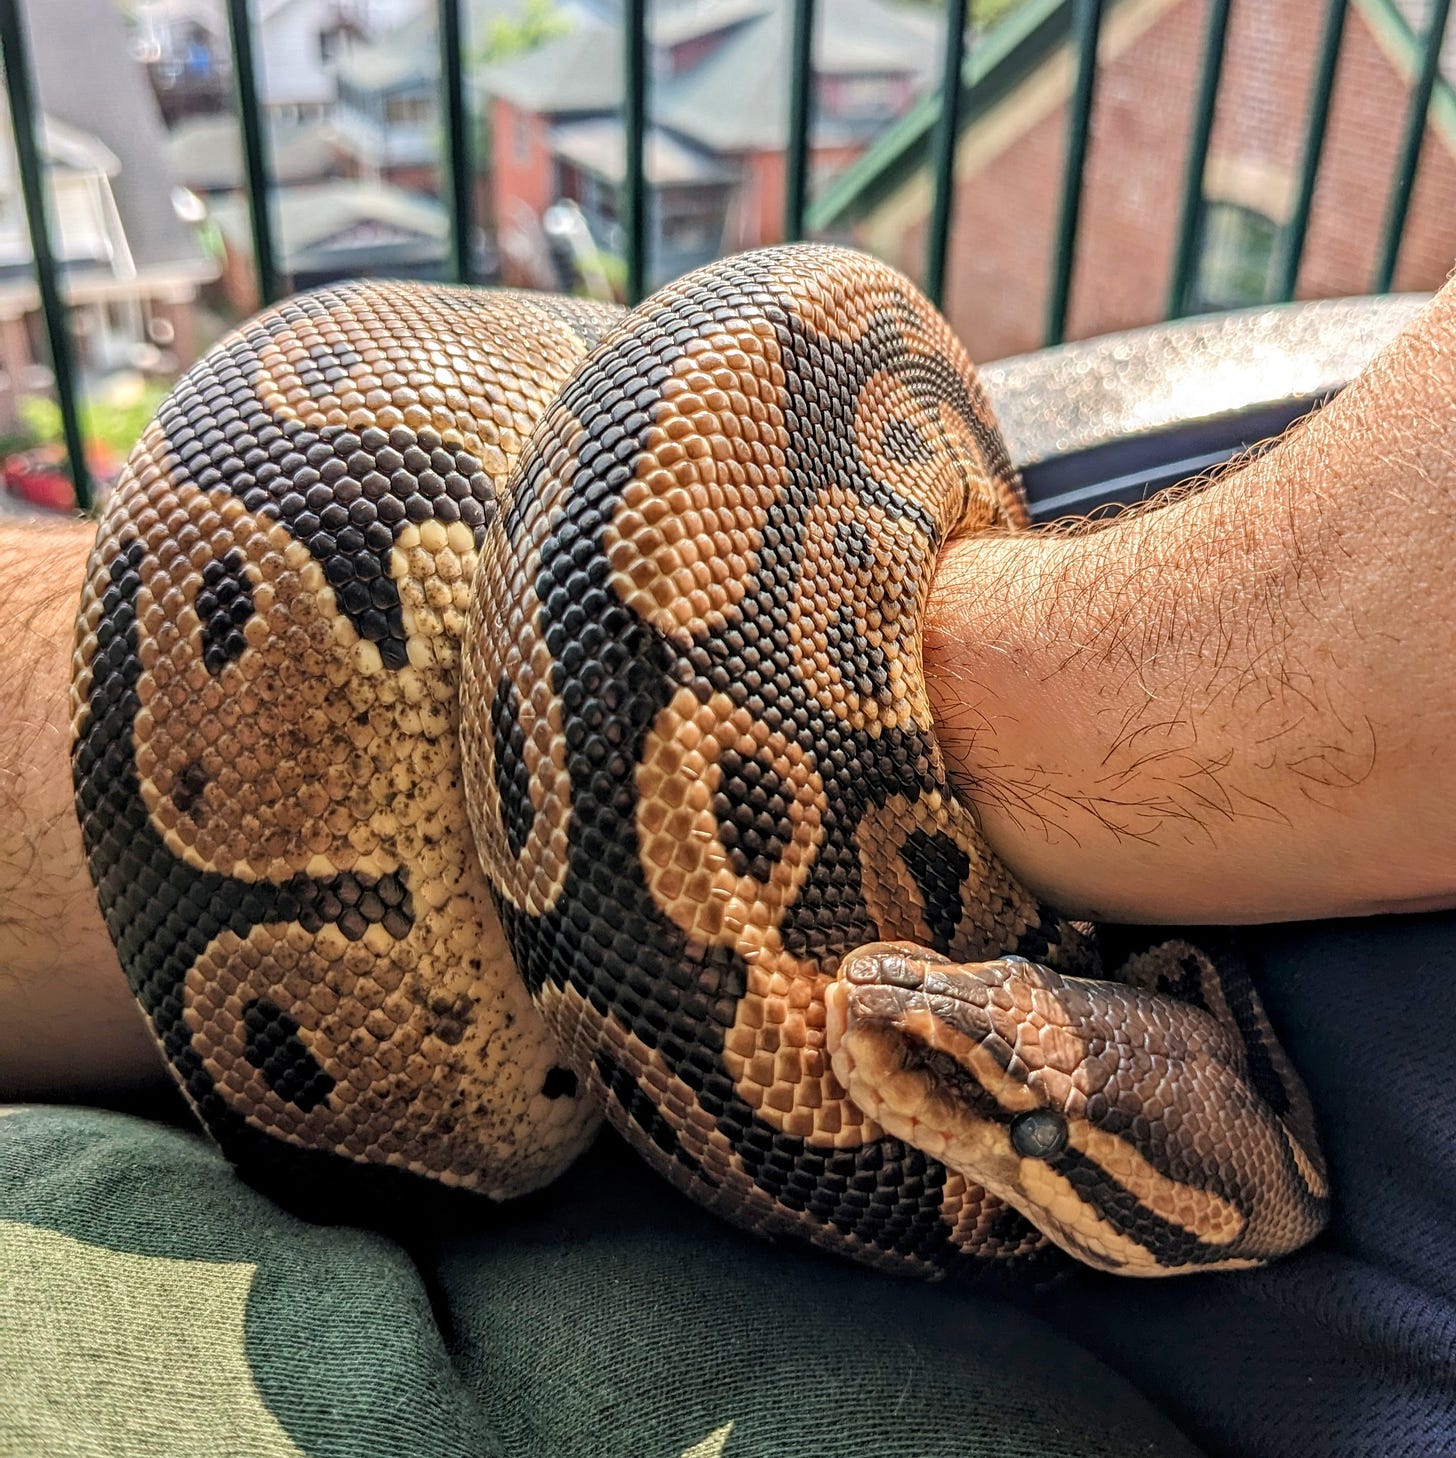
{"points": [[67, 1019], [1238, 706]]}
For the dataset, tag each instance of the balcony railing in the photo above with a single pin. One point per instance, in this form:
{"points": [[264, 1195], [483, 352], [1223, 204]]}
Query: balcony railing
{"points": [[955, 93]]}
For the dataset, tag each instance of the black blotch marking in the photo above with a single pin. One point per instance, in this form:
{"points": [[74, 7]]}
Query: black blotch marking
{"points": [[450, 1016], [942, 1069], [187, 793], [162, 914], [905, 442], [351, 901], [606, 939], [345, 494], [644, 1114], [1036, 942], [273, 1047], [224, 603], [512, 778], [862, 664], [560, 1083], [1169, 1244], [752, 806], [853, 548], [1238, 991], [939, 867]]}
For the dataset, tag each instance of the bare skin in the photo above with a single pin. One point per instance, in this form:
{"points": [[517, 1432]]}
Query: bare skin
{"points": [[68, 1023], [1238, 707]]}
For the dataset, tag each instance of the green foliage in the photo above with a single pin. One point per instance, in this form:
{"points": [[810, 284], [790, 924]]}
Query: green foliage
{"points": [[506, 36], [985, 13], [113, 423]]}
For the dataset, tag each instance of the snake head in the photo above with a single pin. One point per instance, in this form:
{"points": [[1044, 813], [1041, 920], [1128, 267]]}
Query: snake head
{"points": [[1121, 1123]]}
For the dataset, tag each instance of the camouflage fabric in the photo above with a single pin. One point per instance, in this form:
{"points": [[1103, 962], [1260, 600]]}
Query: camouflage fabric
{"points": [[151, 1303]]}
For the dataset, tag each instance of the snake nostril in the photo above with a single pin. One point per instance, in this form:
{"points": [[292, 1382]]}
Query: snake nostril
{"points": [[1039, 1133]]}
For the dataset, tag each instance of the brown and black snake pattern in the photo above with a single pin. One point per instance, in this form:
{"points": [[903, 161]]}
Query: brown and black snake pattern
{"points": [[685, 702]]}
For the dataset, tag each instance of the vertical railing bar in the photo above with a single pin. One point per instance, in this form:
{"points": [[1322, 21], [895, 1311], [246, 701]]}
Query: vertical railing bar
{"points": [[1289, 249], [457, 143], [801, 96], [255, 162], [946, 135], [634, 21], [1190, 224], [1088, 28], [1403, 183], [23, 118]]}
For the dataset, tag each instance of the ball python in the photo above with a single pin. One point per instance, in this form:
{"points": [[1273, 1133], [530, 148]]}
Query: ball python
{"points": [[493, 712]]}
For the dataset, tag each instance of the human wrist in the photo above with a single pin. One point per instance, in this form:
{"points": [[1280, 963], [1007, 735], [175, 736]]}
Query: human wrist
{"points": [[1103, 696], [68, 1022], [1195, 714]]}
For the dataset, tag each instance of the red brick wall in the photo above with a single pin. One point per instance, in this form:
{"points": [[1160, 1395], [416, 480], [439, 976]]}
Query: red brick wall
{"points": [[527, 176], [757, 214], [1001, 250]]}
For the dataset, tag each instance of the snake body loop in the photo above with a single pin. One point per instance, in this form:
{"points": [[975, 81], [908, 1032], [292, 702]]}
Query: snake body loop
{"points": [[684, 710]]}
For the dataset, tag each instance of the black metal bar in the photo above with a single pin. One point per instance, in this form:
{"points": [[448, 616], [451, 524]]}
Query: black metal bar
{"points": [[255, 159], [1403, 183], [946, 135], [801, 97], [1289, 249], [23, 117], [1088, 27], [634, 22], [457, 143], [1185, 255]]}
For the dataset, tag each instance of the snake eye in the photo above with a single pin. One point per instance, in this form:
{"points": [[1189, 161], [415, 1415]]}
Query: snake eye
{"points": [[1039, 1134]]}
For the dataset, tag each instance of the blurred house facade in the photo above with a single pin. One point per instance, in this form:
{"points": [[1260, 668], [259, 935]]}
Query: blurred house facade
{"points": [[131, 268], [298, 44], [719, 104], [332, 230], [1012, 145]]}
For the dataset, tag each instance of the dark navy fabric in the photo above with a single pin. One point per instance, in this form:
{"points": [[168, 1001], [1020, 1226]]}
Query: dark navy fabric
{"points": [[1347, 1349]]}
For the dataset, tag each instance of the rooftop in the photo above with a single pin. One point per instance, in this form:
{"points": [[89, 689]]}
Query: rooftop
{"points": [[205, 153], [599, 147], [326, 213], [86, 95], [737, 98]]}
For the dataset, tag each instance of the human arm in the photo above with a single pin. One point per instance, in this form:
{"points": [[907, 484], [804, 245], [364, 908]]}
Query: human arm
{"points": [[1238, 706], [68, 1022], [1235, 707]]}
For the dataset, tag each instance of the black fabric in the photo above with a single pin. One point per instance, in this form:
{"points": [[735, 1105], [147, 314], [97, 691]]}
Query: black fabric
{"points": [[1348, 1349], [625, 1322]]}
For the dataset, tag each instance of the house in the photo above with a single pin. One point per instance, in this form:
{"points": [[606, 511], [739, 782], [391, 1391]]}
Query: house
{"points": [[205, 154], [131, 268], [297, 45], [332, 230], [387, 125], [387, 121], [718, 103], [1013, 138]]}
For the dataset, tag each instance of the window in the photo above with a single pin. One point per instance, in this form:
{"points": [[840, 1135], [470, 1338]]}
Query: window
{"points": [[1235, 253], [859, 98], [407, 110]]}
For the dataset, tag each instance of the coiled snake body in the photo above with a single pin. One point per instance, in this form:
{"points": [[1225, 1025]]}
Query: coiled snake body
{"points": [[641, 596]]}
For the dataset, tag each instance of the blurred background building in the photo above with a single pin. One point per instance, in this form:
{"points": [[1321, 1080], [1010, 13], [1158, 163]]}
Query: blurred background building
{"points": [[142, 149]]}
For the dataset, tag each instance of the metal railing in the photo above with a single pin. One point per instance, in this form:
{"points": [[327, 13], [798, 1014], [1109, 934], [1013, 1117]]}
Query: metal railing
{"points": [[955, 95]]}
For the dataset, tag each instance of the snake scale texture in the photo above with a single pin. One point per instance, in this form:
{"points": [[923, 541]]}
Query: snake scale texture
{"points": [[495, 711]]}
